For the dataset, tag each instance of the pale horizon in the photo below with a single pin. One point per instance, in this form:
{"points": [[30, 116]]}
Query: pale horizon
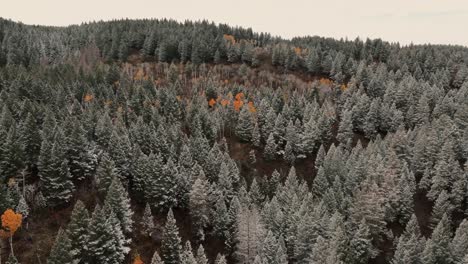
{"points": [[415, 21]]}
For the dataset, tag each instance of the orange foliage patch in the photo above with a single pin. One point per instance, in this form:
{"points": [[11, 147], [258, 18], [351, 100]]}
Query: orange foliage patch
{"points": [[212, 102], [88, 98], [11, 221], [224, 102], [343, 87], [229, 38], [239, 96], [137, 260], [298, 50], [252, 108], [325, 81], [238, 105]]}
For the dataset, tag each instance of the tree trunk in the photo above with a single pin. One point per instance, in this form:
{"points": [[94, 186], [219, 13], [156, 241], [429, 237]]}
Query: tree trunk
{"points": [[11, 245]]}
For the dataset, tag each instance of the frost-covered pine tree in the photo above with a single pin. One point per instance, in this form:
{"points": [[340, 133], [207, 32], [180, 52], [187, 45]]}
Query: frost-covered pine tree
{"points": [[345, 129], [249, 235], [105, 172], [171, 248], [270, 150], [187, 256], [23, 207], [77, 232], [220, 259], [156, 259], [147, 222], [106, 243], [245, 125], [199, 205], [118, 201], [201, 256], [56, 180], [61, 250], [437, 248]]}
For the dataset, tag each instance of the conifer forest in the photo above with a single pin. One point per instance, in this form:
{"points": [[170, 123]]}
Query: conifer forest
{"points": [[156, 141]]}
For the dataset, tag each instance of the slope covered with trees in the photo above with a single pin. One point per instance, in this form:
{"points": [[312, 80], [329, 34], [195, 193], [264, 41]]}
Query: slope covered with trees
{"points": [[153, 141]]}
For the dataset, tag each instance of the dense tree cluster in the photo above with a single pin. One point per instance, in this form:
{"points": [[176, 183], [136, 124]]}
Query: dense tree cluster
{"points": [[272, 168]]}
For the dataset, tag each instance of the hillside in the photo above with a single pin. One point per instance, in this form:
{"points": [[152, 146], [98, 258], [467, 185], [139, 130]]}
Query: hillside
{"points": [[153, 140]]}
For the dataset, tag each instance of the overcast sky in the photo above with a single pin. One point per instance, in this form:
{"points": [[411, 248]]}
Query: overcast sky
{"points": [[405, 21]]}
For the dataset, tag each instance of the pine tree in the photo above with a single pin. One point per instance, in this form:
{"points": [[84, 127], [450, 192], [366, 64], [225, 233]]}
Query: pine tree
{"points": [[118, 201], [437, 248], [11, 155], [220, 219], [156, 259], [459, 244], [105, 172], [107, 243], [147, 222], [199, 205], [270, 148], [81, 160], [249, 235], [345, 129], [441, 207], [23, 207], [361, 248], [31, 140], [77, 232], [201, 257], [61, 251], [187, 256], [171, 245], [220, 259], [245, 125], [54, 173]]}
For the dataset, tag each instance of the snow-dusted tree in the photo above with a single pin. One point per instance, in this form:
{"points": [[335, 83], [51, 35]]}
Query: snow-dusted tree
{"points": [[61, 250], [345, 129], [199, 205], [106, 243], [147, 222], [201, 256], [77, 231], [270, 150], [105, 172], [171, 248], [437, 248], [249, 235], [118, 201], [156, 259]]}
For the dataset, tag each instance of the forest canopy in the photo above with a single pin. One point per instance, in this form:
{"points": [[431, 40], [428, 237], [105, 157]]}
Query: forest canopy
{"points": [[155, 141]]}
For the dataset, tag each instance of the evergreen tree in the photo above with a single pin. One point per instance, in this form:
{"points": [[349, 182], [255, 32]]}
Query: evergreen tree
{"points": [[245, 125], [105, 173], [201, 257], [270, 148], [77, 232], [171, 245], [147, 222], [106, 241], [61, 251], [156, 259], [118, 201], [199, 205], [54, 173], [345, 129], [437, 248]]}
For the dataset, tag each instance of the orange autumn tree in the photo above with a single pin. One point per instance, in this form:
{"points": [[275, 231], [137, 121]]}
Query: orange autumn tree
{"points": [[138, 260], [88, 98], [212, 102], [11, 221], [252, 108], [238, 103]]}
